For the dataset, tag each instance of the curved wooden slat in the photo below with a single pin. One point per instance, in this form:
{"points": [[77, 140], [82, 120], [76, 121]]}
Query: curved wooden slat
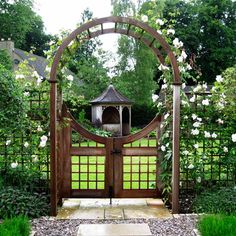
{"points": [[85, 133], [143, 133]]}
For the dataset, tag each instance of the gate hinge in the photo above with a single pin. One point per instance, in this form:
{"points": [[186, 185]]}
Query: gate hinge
{"points": [[115, 151]]}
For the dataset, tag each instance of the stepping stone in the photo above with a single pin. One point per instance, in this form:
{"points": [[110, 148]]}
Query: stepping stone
{"points": [[114, 230]]}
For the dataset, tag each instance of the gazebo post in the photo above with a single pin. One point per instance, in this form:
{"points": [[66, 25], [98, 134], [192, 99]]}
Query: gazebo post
{"points": [[175, 148], [121, 120]]}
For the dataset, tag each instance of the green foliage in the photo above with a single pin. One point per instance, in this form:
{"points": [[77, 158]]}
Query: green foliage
{"points": [[217, 225], [16, 226], [214, 201], [12, 107], [20, 23], [15, 201], [5, 60], [207, 29], [28, 179]]}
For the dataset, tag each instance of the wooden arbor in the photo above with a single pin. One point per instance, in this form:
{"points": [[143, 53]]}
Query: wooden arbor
{"points": [[160, 48]]}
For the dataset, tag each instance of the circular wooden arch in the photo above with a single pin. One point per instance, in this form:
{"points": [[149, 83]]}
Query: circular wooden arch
{"points": [[149, 36]]}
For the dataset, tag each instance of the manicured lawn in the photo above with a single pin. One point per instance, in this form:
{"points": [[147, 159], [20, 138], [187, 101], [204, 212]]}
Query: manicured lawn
{"points": [[217, 225]]}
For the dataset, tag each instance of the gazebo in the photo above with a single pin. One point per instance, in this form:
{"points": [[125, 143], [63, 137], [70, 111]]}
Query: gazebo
{"points": [[112, 111]]}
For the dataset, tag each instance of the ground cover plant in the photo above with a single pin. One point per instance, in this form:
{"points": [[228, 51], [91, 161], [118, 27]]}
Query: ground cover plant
{"points": [[217, 225], [16, 226], [216, 200]]}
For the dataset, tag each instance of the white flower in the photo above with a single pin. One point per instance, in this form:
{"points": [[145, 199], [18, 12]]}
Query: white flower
{"points": [[197, 124], [177, 43], [39, 129], [154, 97], [35, 74], [20, 76], [194, 116], [163, 67], [191, 166], [186, 152], [14, 165], [163, 148], [170, 31], [184, 55], [70, 78], [48, 69], [159, 104], [222, 96], [144, 18], [8, 142], [199, 119], [183, 85], [214, 135], [159, 32], [219, 121], [221, 105], [159, 22], [26, 144], [164, 86], [207, 134], [44, 138], [188, 67], [182, 69], [193, 98], [194, 131], [26, 94], [196, 146], [166, 116], [199, 179], [225, 149], [34, 158], [219, 78], [180, 59], [184, 102], [234, 138], [204, 85], [205, 102], [197, 89], [51, 43], [42, 144], [39, 80]]}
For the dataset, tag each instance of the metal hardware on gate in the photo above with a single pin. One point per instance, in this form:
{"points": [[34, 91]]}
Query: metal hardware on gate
{"points": [[115, 151]]}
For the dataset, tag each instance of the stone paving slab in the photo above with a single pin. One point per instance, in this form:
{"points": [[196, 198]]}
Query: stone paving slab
{"points": [[114, 230], [120, 209], [146, 212], [88, 213], [114, 213]]}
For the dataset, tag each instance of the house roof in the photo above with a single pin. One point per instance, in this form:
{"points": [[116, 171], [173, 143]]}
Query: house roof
{"points": [[111, 95], [37, 62]]}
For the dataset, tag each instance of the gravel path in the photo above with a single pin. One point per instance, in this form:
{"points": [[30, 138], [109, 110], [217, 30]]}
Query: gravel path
{"points": [[181, 226]]}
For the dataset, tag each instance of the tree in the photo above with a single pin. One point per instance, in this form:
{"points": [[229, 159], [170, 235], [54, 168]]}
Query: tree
{"points": [[20, 23], [136, 69], [208, 30]]}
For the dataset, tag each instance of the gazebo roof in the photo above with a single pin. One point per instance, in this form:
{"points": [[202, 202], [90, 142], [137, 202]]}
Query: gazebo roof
{"points": [[111, 95]]}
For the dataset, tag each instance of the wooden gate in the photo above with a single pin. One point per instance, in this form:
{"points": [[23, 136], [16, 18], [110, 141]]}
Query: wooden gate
{"points": [[95, 166]]}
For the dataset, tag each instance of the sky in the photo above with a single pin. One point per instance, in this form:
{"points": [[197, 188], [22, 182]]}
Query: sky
{"points": [[65, 14]]}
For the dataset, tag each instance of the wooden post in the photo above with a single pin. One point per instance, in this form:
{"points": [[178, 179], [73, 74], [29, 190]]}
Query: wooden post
{"points": [[175, 148], [53, 148]]}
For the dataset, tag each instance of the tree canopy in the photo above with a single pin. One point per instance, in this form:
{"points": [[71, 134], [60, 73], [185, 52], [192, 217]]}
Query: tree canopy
{"points": [[208, 30], [21, 24]]}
